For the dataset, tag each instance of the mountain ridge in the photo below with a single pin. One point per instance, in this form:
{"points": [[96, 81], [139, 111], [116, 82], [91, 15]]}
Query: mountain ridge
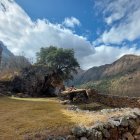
{"points": [[124, 65], [11, 62]]}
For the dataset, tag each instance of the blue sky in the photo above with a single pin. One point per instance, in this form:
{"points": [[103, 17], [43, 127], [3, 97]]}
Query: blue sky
{"points": [[57, 10], [100, 31]]}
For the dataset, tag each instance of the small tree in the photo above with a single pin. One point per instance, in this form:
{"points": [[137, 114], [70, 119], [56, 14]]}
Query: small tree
{"points": [[60, 61]]}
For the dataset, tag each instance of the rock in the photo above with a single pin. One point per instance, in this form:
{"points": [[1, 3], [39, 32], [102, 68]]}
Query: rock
{"points": [[89, 132], [72, 107], [51, 138], [70, 137], [79, 131], [138, 130], [128, 136], [106, 133], [60, 138], [136, 111], [132, 124], [83, 138], [124, 122], [138, 121], [114, 135], [96, 135], [65, 102], [20, 95], [1, 95], [137, 137], [98, 126], [112, 123]]}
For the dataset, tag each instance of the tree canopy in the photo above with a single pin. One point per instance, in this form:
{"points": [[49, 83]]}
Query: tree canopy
{"points": [[60, 61]]}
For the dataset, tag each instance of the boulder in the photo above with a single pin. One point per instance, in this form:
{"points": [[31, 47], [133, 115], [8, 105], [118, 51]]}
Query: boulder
{"points": [[79, 131], [128, 136]]}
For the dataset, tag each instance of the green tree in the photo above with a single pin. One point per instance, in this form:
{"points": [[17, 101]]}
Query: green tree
{"points": [[60, 61]]}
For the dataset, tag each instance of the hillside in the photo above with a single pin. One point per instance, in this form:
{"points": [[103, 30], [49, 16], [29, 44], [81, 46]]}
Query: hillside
{"points": [[122, 77], [10, 62]]}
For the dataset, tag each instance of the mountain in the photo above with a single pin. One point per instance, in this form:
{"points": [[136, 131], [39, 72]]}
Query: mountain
{"points": [[5, 52], [125, 65], [10, 62], [122, 77]]}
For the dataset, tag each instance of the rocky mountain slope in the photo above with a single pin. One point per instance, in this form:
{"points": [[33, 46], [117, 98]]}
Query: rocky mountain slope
{"points": [[9, 62], [119, 78], [125, 65]]}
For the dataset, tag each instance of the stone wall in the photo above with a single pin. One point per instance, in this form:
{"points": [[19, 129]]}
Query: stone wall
{"points": [[113, 101], [126, 127]]}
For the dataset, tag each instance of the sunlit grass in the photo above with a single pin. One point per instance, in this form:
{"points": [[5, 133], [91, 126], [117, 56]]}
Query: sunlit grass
{"points": [[20, 117], [27, 116]]}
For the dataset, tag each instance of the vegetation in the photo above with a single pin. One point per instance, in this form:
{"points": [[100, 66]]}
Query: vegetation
{"points": [[39, 117], [60, 61], [127, 85]]}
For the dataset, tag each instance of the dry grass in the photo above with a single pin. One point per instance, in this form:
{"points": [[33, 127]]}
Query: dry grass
{"points": [[28, 116], [33, 117], [85, 119]]}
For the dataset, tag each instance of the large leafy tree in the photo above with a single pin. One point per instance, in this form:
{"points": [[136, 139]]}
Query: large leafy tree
{"points": [[60, 61]]}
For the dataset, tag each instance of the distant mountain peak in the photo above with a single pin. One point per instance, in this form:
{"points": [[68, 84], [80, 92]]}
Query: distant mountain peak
{"points": [[125, 65], [5, 53]]}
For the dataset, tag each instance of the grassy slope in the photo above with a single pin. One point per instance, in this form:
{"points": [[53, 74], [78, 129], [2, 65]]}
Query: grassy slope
{"points": [[127, 85]]}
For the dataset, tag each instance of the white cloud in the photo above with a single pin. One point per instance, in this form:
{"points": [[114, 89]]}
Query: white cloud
{"points": [[20, 33], [71, 22], [128, 27], [114, 10], [114, 17], [108, 54], [129, 30]]}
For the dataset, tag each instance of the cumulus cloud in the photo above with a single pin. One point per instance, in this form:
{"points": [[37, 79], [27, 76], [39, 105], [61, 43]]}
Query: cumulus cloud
{"points": [[127, 12], [129, 30], [71, 22], [20, 33], [107, 54]]}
